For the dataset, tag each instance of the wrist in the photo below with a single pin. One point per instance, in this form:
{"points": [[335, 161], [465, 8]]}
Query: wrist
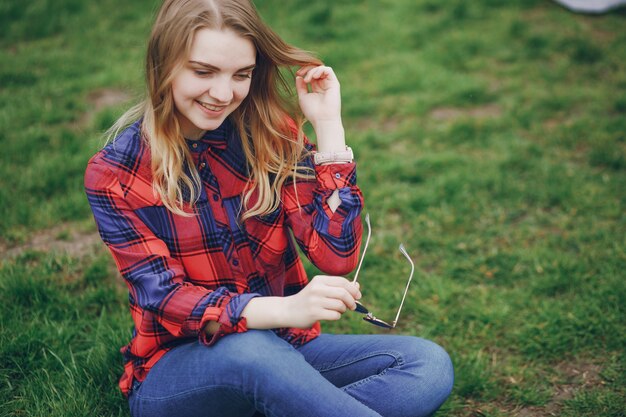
{"points": [[212, 327], [266, 313], [330, 136]]}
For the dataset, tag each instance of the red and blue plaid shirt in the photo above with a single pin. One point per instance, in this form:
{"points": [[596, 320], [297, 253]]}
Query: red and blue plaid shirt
{"points": [[182, 272]]}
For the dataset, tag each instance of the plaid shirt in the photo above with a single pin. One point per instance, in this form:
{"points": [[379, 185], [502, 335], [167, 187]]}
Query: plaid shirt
{"points": [[182, 272]]}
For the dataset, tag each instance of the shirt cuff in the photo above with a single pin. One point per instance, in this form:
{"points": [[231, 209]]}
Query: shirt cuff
{"points": [[228, 317], [334, 176]]}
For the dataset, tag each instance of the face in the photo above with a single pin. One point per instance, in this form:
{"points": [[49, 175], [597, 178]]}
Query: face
{"points": [[213, 81]]}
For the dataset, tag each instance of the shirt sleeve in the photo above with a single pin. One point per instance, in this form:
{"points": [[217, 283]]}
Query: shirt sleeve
{"points": [[330, 240], [164, 305]]}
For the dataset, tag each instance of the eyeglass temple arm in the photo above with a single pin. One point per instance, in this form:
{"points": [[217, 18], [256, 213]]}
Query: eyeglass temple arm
{"points": [[367, 242], [406, 255]]}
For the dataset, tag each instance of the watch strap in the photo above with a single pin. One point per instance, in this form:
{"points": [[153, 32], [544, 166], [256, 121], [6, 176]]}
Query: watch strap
{"points": [[341, 157]]}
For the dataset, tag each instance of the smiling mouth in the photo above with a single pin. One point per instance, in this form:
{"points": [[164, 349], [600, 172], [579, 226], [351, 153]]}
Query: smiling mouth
{"points": [[211, 107]]}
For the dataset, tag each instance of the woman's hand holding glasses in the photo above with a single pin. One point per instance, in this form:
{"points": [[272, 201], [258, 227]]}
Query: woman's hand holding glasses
{"points": [[328, 297], [324, 298]]}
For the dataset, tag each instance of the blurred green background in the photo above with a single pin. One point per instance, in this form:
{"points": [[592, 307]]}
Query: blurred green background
{"points": [[490, 138]]}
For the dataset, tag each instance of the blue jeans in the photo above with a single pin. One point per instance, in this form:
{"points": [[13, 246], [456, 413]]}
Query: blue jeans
{"points": [[257, 373]]}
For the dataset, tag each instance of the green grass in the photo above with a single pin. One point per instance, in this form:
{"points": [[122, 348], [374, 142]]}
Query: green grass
{"points": [[490, 140]]}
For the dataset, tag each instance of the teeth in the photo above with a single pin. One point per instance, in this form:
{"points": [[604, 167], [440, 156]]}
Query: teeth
{"points": [[210, 107]]}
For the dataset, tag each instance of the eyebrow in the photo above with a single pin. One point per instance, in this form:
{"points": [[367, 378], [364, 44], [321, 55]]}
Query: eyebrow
{"points": [[213, 67]]}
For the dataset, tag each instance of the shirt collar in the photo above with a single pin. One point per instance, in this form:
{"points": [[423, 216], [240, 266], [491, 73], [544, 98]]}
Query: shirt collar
{"points": [[216, 139], [225, 157]]}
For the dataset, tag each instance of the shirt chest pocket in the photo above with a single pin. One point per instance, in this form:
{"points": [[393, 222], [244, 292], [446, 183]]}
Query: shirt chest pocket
{"points": [[181, 234], [273, 239], [270, 255]]}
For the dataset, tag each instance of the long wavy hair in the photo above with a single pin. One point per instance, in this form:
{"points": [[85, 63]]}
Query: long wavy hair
{"points": [[272, 143]]}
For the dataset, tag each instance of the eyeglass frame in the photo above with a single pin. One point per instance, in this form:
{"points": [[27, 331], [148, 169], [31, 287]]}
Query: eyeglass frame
{"points": [[360, 308]]}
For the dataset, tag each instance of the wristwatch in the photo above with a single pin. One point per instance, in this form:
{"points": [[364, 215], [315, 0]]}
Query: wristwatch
{"points": [[334, 157]]}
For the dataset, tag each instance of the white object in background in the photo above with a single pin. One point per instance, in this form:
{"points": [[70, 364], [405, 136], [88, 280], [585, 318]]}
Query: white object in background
{"points": [[591, 6]]}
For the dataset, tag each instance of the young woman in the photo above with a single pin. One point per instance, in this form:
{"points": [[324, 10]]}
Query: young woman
{"points": [[198, 197]]}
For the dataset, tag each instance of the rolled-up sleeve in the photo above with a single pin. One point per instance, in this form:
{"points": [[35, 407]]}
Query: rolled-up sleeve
{"points": [[330, 239], [164, 305]]}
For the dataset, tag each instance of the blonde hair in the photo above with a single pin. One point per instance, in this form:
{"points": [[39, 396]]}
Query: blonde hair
{"points": [[272, 144]]}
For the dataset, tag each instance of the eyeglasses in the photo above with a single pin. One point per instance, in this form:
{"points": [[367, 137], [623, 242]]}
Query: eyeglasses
{"points": [[360, 308]]}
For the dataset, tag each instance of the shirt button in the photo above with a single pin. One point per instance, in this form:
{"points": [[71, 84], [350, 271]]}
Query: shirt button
{"points": [[202, 165], [235, 262], [337, 175], [216, 197], [194, 145]]}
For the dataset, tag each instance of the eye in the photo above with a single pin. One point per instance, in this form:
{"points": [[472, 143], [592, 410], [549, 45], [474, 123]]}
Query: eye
{"points": [[243, 75], [201, 73]]}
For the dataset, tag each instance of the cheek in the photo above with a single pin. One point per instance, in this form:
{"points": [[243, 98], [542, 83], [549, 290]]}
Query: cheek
{"points": [[241, 92], [184, 88], [178, 93]]}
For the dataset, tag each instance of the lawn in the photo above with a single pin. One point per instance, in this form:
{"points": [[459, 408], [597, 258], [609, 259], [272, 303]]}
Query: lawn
{"points": [[491, 140]]}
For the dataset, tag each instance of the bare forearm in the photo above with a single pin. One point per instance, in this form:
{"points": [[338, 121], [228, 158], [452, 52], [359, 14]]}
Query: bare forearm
{"points": [[330, 136], [260, 313], [266, 313], [324, 298]]}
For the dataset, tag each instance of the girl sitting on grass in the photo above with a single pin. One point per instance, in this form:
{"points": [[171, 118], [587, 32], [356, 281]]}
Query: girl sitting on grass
{"points": [[197, 198]]}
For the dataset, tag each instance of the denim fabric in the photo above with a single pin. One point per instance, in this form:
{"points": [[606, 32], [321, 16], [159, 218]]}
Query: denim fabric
{"points": [[257, 373]]}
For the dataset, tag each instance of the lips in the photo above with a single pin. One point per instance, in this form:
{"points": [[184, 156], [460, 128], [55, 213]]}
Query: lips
{"points": [[211, 107]]}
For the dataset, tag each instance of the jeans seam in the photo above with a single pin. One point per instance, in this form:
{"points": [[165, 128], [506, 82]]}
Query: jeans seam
{"points": [[364, 381], [138, 396], [398, 358]]}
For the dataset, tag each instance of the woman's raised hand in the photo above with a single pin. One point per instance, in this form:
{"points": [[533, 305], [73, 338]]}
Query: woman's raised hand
{"points": [[322, 102], [322, 106], [324, 298]]}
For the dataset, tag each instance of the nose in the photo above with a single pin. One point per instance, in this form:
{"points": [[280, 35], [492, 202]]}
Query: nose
{"points": [[221, 90]]}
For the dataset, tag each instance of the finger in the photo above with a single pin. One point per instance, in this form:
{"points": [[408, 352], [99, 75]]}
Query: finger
{"points": [[349, 286], [303, 70], [330, 315], [333, 280], [335, 305], [358, 289], [355, 289], [301, 87], [342, 295], [327, 73], [317, 73]]}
